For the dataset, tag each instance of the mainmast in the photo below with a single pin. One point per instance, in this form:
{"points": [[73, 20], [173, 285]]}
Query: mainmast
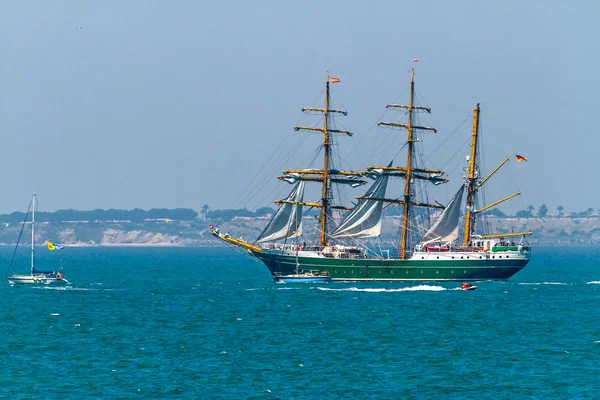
{"points": [[471, 181], [407, 186], [409, 172], [32, 232]]}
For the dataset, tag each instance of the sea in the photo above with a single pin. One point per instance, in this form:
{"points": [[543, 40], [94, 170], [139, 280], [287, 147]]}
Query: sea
{"points": [[210, 323]]}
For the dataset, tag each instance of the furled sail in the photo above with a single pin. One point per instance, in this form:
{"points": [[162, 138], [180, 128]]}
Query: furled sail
{"points": [[365, 219], [445, 227], [287, 221]]}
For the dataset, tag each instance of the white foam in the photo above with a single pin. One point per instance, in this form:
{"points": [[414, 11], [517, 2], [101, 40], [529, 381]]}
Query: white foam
{"points": [[541, 283], [55, 314], [427, 288], [594, 283], [69, 288]]}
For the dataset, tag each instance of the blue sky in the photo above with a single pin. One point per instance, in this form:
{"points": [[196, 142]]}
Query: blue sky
{"points": [[118, 104]]}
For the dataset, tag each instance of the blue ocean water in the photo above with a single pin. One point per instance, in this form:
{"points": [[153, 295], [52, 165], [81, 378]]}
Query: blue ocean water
{"points": [[204, 323]]}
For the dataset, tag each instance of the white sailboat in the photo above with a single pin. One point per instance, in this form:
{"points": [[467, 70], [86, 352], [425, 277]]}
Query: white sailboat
{"points": [[35, 277]]}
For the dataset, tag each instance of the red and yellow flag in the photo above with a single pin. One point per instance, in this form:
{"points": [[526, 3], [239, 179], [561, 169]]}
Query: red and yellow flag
{"points": [[335, 80], [521, 158]]}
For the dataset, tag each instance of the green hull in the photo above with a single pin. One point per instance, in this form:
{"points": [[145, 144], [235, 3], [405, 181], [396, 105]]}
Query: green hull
{"points": [[421, 267]]}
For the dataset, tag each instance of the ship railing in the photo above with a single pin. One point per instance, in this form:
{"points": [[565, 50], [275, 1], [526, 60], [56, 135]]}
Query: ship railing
{"points": [[341, 251]]}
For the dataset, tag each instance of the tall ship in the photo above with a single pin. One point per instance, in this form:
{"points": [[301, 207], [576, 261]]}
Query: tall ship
{"points": [[453, 247]]}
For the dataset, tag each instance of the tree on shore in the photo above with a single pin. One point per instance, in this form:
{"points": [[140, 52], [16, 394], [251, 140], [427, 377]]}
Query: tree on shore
{"points": [[560, 210], [542, 211]]}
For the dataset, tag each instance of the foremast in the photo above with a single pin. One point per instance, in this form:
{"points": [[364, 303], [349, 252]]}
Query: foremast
{"points": [[326, 176], [409, 173]]}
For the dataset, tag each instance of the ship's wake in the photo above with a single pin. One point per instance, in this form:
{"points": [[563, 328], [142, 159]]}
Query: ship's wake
{"points": [[541, 283], [426, 288], [70, 288]]}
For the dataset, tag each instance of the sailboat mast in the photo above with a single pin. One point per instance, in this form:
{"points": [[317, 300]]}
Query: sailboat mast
{"points": [[472, 178], [326, 147], [32, 232], [407, 186]]}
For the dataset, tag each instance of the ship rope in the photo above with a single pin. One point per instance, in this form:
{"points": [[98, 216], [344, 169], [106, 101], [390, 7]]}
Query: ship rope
{"points": [[360, 157], [12, 259], [280, 160]]}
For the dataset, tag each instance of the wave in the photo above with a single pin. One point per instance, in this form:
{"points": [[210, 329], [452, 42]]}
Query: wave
{"points": [[426, 288], [70, 288], [541, 283], [594, 283]]}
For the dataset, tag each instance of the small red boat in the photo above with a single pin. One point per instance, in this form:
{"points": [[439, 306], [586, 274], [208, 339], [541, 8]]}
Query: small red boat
{"points": [[467, 286]]}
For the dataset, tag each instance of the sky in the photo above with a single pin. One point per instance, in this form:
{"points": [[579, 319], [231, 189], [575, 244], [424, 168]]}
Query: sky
{"points": [[165, 104]]}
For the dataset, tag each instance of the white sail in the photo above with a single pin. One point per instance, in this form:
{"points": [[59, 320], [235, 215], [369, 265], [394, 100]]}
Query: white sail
{"points": [[287, 221], [365, 218], [445, 227]]}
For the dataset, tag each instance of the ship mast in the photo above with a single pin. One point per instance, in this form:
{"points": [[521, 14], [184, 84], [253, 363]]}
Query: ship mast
{"points": [[326, 183], [409, 173], [326, 176], [471, 182], [407, 186], [32, 233]]}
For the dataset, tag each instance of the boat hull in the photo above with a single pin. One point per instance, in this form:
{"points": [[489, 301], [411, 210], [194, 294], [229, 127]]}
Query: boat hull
{"points": [[34, 280], [447, 266], [302, 279]]}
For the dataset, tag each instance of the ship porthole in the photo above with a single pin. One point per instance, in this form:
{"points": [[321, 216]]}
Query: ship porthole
{"points": [[437, 272], [465, 271], [480, 257], [452, 271], [467, 257], [438, 257], [422, 258], [506, 256], [453, 257]]}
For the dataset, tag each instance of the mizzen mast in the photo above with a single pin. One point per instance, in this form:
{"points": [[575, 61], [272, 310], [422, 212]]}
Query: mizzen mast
{"points": [[473, 185], [472, 179]]}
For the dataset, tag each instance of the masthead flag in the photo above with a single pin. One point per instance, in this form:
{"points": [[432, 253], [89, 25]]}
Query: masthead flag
{"points": [[521, 158], [335, 80], [416, 60]]}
